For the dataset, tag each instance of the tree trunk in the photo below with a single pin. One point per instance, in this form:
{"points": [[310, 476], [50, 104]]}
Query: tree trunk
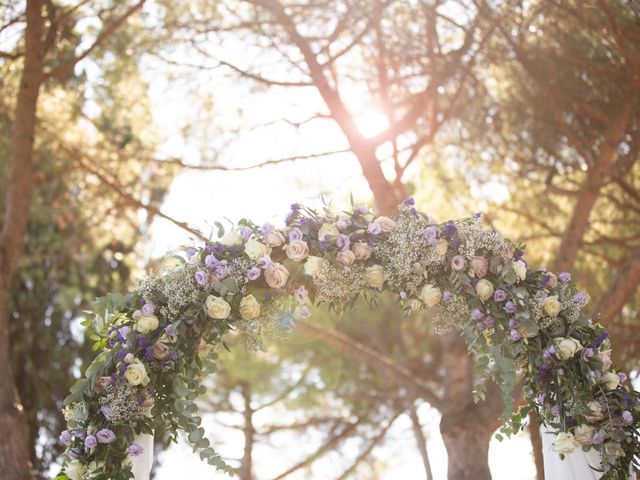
{"points": [[245, 472], [536, 445], [421, 441], [14, 448]]}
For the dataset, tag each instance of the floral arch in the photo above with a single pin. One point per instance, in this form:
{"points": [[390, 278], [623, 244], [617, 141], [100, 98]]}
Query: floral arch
{"points": [[155, 345]]}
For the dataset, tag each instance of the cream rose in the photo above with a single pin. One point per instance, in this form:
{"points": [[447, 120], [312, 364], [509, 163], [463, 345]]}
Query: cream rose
{"points": [[375, 276], [297, 250], [346, 257], [328, 230], [567, 347], [596, 411], [249, 307], [430, 295], [484, 290], [605, 358], [274, 238], [276, 276], [565, 443], [255, 249], [232, 237], [552, 306], [361, 250], [480, 266], [160, 350], [313, 265], [217, 307], [610, 381], [147, 323], [520, 269], [441, 247], [385, 223], [583, 434], [75, 470], [136, 374]]}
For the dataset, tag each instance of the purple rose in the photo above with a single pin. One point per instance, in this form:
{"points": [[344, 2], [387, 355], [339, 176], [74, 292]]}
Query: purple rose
{"points": [[513, 323], [481, 326], [245, 233], [431, 235], [105, 436], [295, 234], [202, 278], [555, 410], [148, 309], [565, 277], [500, 295], [134, 450], [253, 273], [300, 294], [210, 261], [342, 242], [586, 354], [267, 228], [106, 412], [477, 315], [74, 454], [304, 311], [514, 335], [580, 298], [190, 251], [510, 307], [90, 441], [447, 296], [374, 228], [489, 321], [265, 262], [627, 417], [221, 271], [458, 263], [622, 376], [65, 437], [450, 228]]}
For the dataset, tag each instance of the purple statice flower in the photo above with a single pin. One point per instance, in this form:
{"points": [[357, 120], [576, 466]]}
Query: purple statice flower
{"points": [[295, 234], [447, 296], [409, 202], [208, 248], [362, 209], [374, 228], [455, 243], [190, 251], [555, 410], [587, 353], [120, 355], [295, 208], [489, 321], [458, 263], [342, 242], [481, 326], [304, 311], [514, 335], [431, 235], [148, 309], [478, 215], [219, 247], [142, 341], [106, 412], [173, 356], [265, 262], [564, 277], [300, 294], [202, 278], [65, 437], [477, 315], [123, 333], [245, 233], [253, 273], [90, 441], [580, 298], [627, 417], [603, 336], [597, 438], [510, 307], [105, 436], [500, 295], [134, 450], [210, 261], [221, 271], [450, 228]]}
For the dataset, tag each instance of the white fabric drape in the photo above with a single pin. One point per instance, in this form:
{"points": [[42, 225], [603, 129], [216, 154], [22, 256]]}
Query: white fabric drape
{"points": [[575, 466], [141, 465]]}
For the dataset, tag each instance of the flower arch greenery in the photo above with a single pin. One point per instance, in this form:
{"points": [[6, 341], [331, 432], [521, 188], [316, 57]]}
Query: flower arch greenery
{"points": [[155, 344]]}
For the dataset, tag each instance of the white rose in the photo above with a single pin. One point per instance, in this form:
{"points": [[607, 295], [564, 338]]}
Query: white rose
{"points": [[484, 289], [596, 411], [276, 276], [610, 381], [605, 358], [520, 269], [441, 247], [313, 265], [217, 307], [75, 470], [361, 250], [565, 443], [328, 229], [147, 323], [274, 238], [255, 249], [249, 307], [551, 306], [430, 295], [346, 257], [232, 237], [375, 276], [385, 223], [567, 347], [584, 434], [136, 374], [297, 250]]}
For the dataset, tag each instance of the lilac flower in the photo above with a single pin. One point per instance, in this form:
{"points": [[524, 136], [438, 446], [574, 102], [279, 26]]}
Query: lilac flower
{"points": [[455, 243], [265, 262], [580, 298], [105, 436], [403, 295], [324, 244], [481, 326], [65, 437], [342, 242], [431, 235], [267, 228], [106, 412], [450, 228], [374, 228], [489, 321], [513, 323], [128, 357], [458, 263], [500, 295], [170, 331], [622, 376], [295, 234], [362, 209], [555, 410], [586, 354], [477, 315], [510, 307], [134, 450], [245, 233], [564, 277], [90, 441], [148, 309], [253, 273], [304, 311], [221, 271], [208, 248], [123, 333], [300, 294], [210, 261], [202, 278], [190, 251], [74, 454], [409, 202], [598, 438], [514, 335], [627, 417], [447, 296]]}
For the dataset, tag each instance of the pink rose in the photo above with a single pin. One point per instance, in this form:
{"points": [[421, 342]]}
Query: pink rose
{"points": [[297, 250], [386, 223], [274, 238], [276, 276], [346, 257], [160, 350], [361, 250], [480, 266]]}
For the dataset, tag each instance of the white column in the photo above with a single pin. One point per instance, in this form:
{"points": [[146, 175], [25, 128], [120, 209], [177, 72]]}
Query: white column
{"points": [[142, 463]]}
